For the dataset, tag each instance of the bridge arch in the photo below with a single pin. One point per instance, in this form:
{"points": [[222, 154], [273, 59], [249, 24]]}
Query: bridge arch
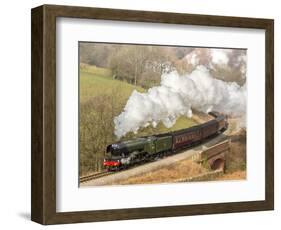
{"points": [[217, 164]]}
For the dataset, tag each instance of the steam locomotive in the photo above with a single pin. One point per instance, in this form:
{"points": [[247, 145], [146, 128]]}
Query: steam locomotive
{"points": [[122, 155]]}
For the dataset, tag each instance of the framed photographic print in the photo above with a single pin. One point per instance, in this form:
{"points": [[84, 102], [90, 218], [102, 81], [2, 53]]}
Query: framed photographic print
{"points": [[139, 114]]}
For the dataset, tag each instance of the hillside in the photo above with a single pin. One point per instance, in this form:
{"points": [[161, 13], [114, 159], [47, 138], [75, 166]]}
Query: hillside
{"points": [[101, 99]]}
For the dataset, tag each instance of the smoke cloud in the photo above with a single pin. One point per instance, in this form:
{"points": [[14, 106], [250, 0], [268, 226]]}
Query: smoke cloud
{"points": [[177, 96]]}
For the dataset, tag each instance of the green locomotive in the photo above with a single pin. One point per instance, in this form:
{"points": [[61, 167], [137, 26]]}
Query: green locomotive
{"points": [[123, 154]]}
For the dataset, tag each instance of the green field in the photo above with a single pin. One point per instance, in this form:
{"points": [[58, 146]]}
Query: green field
{"points": [[98, 81], [101, 99]]}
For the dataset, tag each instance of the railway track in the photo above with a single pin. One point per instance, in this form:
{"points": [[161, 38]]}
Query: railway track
{"points": [[94, 176]]}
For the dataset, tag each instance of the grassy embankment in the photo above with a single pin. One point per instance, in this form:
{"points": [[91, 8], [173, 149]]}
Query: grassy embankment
{"points": [[235, 166]]}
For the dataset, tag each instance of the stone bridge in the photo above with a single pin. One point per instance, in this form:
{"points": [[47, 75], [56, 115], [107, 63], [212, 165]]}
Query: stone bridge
{"points": [[214, 157]]}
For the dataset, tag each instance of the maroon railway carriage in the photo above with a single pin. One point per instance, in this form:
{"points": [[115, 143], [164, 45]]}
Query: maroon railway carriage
{"points": [[186, 137], [192, 136]]}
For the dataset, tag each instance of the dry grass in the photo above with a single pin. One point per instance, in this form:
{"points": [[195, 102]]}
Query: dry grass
{"points": [[238, 175], [179, 170], [236, 159]]}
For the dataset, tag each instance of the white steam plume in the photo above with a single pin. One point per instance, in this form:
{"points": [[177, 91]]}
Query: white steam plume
{"points": [[177, 96]]}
